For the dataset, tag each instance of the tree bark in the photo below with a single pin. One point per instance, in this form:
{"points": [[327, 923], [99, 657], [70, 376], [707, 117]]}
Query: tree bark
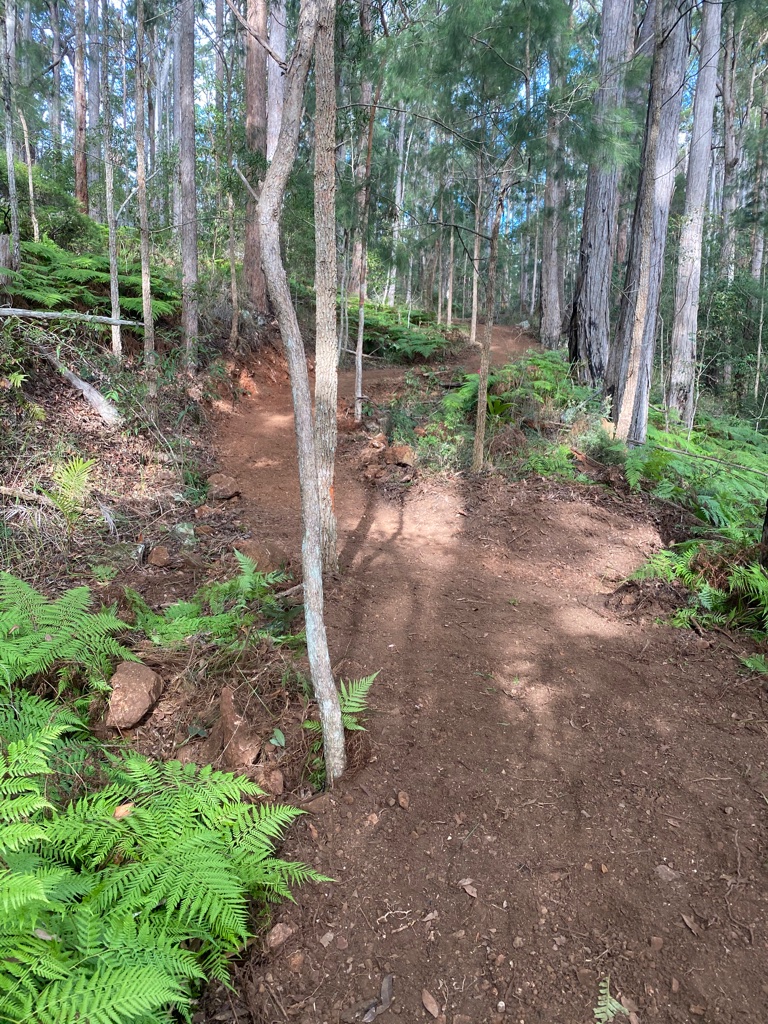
{"points": [[361, 174], [187, 167], [81, 158], [554, 195], [275, 76], [30, 179], [94, 107], [590, 326], [476, 252], [8, 105], [150, 358], [55, 100], [731, 148], [478, 449], [363, 265], [270, 203], [326, 340], [256, 142], [630, 364], [399, 199], [683, 342]]}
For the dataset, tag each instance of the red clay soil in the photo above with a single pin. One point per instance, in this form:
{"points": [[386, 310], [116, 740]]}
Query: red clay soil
{"points": [[557, 788]]}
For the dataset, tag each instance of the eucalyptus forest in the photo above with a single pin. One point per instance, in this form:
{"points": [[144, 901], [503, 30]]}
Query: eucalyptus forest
{"points": [[383, 511]]}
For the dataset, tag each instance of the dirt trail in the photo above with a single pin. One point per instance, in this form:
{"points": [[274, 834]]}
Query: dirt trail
{"points": [[585, 791]]}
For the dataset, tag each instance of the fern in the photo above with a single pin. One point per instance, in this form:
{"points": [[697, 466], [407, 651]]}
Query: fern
{"points": [[607, 1007], [354, 701], [117, 917]]}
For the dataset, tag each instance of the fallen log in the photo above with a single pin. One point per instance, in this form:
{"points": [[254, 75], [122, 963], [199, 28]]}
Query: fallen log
{"points": [[94, 398], [41, 314]]}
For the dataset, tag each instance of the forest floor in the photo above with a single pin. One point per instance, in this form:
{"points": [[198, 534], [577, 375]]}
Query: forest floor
{"points": [[557, 788]]}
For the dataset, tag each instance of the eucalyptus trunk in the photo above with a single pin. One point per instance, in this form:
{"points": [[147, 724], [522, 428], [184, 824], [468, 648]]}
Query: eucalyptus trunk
{"points": [[187, 161], [55, 98], [687, 285], [326, 340], [269, 207], [275, 75], [554, 196], [81, 111], [8, 106], [150, 358], [256, 142], [590, 327], [94, 107], [631, 361], [109, 189]]}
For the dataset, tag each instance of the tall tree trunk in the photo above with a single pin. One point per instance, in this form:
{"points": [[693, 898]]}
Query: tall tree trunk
{"points": [[363, 267], [758, 232], [275, 75], [326, 340], [56, 58], [478, 449], [476, 252], [449, 296], [81, 113], [8, 105], [630, 364], [270, 203], [554, 195], [94, 104], [256, 141], [109, 187], [150, 365], [187, 163], [731, 148], [30, 179], [361, 174], [683, 363], [397, 224], [591, 318]]}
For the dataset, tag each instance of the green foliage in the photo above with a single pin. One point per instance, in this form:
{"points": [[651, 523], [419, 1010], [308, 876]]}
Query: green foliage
{"points": [[226, 613], [756, 663], [72, 485], [117, 904], [38, 634], [398, 334], [607, 1008], [53, 278], [353, 697]]}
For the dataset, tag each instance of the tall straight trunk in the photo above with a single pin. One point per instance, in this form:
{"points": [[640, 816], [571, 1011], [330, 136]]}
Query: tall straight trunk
{"points": [[534, 281], [730, 145], [218, 61], [397, 224], [256, 142], [478, 449], [326, 340], [81, 112], [56, 58], [476, 252], [630, 364], [554, 195], [270, 204], [449, 295], [187, 159], [590, 326], [361, 175], [178, 211], [109, 187], [150, 365], [94, 104], [362, 282], [30, 178], [758, 232], [275, 76], [683, 342], [439, 247], [8, 105]]}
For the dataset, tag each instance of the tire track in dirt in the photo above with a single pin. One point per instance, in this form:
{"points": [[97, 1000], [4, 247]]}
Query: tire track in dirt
{"points": [[597, 777]]}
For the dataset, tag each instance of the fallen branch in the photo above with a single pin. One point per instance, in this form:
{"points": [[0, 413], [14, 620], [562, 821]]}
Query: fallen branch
{"points": [[94, 398], [15, 492], [39, 314]]}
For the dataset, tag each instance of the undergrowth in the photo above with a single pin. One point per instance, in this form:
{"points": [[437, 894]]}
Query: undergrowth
{"points": [[398, 334], [117, 903]]}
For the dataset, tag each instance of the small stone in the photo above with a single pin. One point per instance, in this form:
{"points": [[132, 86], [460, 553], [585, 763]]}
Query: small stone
{"points": [[518, 942], [586, 977], [271, 781], [665, 873], [203, 531], [403, 800], [697, 1010], [401, 455], [159, 556], [675, 986], [657, 943], [319, 804], [135, 689], [267, 554], [222, 487], [296, 962], [278, 935]]}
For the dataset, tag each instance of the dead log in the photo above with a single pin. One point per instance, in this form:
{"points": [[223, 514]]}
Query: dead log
{"points": [[94, 398], [46, 314]]}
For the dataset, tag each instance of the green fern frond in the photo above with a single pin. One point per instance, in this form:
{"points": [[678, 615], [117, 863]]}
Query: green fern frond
{"points": [[354, 701], [607, 1008]]}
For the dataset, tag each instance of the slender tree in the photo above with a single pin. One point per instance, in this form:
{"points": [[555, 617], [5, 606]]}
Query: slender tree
{"points": [[683, 369], [150, 358], [81, 115], [187, 159], [256, 141], [109, 186]]}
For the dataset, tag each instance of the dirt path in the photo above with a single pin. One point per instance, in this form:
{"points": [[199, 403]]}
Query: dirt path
{"points": [[557, 790]]}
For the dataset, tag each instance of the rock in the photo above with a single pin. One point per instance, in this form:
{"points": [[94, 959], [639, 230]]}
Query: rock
{"points": [[278, 935], [404, 800], [401, 455], [296, 962], [267, 554], [159, 556], [203, 531], [271, 781], [222, 487], [239, 744], [135, 689], [665, 873], [657, 943], [697, 1010], [319, 804]]}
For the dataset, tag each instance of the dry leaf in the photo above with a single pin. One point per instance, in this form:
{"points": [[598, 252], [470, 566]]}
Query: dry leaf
{"points": [[604, 868], [341, 942], [430, 1003], [123, 810], [326, 940], [690, 923], [430, 917], [468, 887]]}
